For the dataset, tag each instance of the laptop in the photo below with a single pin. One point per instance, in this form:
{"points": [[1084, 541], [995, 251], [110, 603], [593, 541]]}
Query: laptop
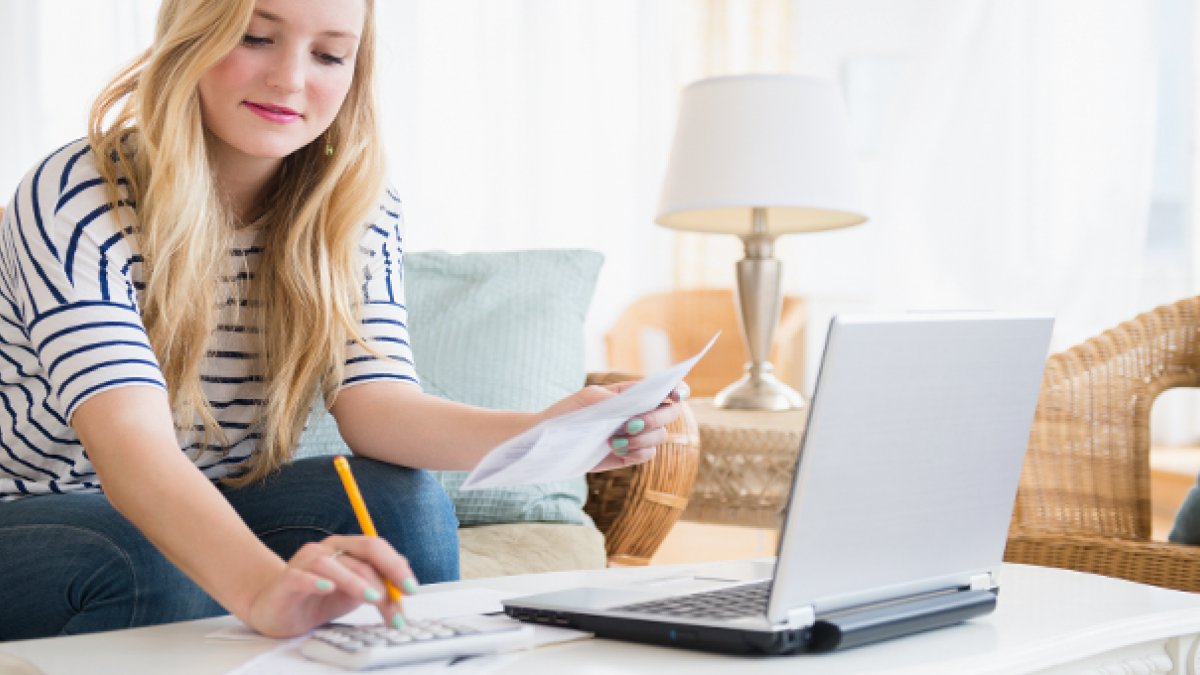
{"points": [[899, 505]]}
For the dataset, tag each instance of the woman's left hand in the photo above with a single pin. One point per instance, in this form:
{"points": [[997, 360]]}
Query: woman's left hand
{"points": [[636, 441]]}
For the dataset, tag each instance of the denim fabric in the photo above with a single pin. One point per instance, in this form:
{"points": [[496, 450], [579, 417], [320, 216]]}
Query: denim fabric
{"points": [[72, 564], [1186, 529]]}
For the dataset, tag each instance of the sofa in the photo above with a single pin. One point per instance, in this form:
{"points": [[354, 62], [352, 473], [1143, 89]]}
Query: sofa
{"points": [[505, 330]]}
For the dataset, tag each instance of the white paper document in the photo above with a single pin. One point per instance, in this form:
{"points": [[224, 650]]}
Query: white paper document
{"points": [[572, 444]]}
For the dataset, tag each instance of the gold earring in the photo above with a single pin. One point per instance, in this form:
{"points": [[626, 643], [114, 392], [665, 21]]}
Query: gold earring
{"points": [[328, 148]]}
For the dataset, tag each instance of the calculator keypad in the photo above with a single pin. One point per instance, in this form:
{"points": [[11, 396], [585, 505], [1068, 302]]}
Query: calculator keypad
{"points": [[355, 638], [374, 646]]}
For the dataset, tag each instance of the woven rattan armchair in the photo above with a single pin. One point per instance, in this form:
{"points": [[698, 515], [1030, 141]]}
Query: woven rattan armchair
{"points": [[1084, 499], [687, 319], [636, 507]]}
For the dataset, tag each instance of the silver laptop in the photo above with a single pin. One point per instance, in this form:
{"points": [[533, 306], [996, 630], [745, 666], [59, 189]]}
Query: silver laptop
{"points": [[899, 508]]}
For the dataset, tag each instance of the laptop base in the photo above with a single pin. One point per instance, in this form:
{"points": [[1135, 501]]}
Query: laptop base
{"points": [[840, 630]]}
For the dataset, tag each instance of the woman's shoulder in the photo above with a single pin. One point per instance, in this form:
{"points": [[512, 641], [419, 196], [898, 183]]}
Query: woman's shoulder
{"points": [[65, 182], [64, 201], [385, 220], [387, 211], [61, 168]]}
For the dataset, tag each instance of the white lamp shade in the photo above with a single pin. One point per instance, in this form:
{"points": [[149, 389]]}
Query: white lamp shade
{"points": [[779, 142]]}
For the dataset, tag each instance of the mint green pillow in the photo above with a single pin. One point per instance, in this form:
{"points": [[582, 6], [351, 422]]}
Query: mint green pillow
{"points": [[499, 330]]}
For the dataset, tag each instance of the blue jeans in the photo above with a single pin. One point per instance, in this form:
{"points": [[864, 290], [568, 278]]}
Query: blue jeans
{"points": [[72, 564], [1186, 529]]}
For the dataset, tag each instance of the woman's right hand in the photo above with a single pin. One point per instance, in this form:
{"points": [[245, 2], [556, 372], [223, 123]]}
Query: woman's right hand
{"points": [[326, 579]]}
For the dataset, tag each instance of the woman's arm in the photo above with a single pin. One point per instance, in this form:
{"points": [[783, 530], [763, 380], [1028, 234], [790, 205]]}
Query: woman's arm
{"points": [[398, 423], [130, 440]]}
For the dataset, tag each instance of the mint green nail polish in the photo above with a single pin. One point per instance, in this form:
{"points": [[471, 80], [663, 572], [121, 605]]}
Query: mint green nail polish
{"points": [[635, 426], [409, 585], [621, 453], [398, 620], [372, 595], [324, 585], [619, 444]]}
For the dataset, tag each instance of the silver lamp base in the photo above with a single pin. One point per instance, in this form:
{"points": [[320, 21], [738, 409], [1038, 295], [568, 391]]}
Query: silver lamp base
{"points": [[758, 389], [759, 302]]}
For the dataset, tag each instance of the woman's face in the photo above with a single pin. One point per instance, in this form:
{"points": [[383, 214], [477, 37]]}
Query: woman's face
{"points": [[283, 85]]}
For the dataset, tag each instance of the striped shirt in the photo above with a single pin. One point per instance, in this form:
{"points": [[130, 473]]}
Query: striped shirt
{"points": [[70, 326]]}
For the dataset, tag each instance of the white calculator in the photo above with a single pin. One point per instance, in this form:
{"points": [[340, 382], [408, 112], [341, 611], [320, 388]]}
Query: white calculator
{"points": [[376, 646]]}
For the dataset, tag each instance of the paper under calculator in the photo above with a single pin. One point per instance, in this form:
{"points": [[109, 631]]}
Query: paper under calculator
{"points": [[375, 646]]}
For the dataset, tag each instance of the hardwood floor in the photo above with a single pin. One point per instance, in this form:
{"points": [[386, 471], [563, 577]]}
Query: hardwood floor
{"points": [[1172, 473], [701, 542]]}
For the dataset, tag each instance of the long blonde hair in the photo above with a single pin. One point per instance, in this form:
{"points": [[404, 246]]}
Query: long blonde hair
{"points": [[307, 281]]}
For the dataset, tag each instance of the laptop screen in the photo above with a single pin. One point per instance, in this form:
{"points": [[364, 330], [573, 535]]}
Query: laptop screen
{"points": [[911, 456]]}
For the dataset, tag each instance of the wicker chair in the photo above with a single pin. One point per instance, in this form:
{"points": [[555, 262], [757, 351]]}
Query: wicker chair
{"points": [[1084, 499], [688, 318], [636, 507]]}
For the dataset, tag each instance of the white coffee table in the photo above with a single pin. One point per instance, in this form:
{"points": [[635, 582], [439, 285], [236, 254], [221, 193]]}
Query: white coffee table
{"points": [[1047, 620]]}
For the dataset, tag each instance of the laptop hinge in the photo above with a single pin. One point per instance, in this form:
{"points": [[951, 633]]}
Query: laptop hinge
{"points": [[982, 582], [871, 623], [801, 617]]}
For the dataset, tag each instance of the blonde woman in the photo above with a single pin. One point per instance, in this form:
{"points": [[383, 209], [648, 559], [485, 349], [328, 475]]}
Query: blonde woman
{"points": [[174, 291]]}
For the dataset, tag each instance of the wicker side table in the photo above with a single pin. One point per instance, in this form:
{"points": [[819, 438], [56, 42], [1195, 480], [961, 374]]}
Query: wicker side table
{"points": [[746, 464]]}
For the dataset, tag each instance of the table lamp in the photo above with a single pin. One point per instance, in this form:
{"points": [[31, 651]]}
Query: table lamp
{"points": [[759, 156]]}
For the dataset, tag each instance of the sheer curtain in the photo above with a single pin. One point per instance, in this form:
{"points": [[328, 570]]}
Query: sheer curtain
{"points": [[1006, 149], [1010, 167], [509, 123], [54, 58], [1019, 174], [523, 124]]}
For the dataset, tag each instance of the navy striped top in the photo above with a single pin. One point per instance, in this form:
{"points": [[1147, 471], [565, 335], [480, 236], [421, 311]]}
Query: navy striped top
{"points": [[71, 327]]}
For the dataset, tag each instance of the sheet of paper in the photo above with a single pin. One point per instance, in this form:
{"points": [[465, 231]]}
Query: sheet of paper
{"points": [[287, 660], [570, 445]]}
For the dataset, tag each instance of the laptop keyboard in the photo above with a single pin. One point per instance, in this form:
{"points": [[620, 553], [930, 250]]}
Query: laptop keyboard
{"points": [[727, 603]]}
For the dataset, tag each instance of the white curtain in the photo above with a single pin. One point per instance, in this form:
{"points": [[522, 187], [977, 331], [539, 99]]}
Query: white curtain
{"points": [[54, 58], [509, 123], [1012, 169], [1019, 174], [525, 124]]}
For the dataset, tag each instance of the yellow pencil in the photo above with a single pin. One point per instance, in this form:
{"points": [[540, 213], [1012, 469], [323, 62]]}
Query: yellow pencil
{"points": [[360, 510]]}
